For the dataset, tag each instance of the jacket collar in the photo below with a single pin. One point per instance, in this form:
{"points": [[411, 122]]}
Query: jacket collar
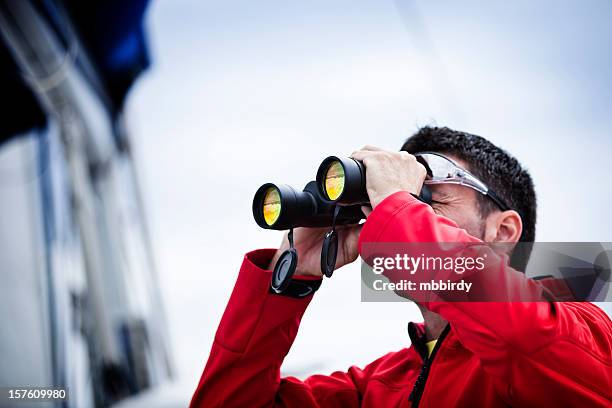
{"points": [[416, 332]]}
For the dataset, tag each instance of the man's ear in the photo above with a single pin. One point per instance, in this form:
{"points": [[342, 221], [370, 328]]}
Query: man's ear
{"points": [[504, 226]]}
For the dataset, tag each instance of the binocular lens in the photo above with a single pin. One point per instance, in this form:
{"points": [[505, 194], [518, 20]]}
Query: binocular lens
{"points": [[334, 180], [271, 205], [342, 181]]}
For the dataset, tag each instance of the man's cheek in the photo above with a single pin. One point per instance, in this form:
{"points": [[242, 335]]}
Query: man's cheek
{"points": [[452, 214], [443, 210], [475, 228]]}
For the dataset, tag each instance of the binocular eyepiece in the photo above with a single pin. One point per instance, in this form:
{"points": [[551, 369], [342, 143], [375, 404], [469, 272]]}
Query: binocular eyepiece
{"points": [[334, 198]]}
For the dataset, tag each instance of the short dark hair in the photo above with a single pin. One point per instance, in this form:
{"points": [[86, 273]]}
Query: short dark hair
{"points": [[495, 167]]}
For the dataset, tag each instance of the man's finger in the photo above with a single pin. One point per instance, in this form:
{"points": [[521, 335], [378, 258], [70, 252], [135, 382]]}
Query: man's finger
{"points": [[362, 154]]}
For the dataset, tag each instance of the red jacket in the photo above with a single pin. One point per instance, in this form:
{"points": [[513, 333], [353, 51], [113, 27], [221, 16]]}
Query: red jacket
{"points": [[529, 354]]}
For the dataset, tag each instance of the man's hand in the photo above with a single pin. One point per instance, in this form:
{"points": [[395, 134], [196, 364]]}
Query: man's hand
{"points": [[386, 173], [308, 242], [390, 172]]}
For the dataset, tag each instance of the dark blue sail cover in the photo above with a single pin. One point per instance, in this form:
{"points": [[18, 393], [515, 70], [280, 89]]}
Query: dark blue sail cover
{"points": [[112, 33]]}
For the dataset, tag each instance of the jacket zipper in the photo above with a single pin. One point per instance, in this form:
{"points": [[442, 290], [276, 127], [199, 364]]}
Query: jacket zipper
{"points": [[419, 385]]}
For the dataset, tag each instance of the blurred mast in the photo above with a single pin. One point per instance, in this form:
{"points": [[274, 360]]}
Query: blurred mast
{"points": [[442, 87], [124, 334], [45, 64]]}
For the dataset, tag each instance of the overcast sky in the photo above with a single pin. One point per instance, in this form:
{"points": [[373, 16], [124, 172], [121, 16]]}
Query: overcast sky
{"points": [[241, 93]]}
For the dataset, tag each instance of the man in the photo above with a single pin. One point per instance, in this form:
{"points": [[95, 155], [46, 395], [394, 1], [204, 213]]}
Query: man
{"points": [[464, 354]]}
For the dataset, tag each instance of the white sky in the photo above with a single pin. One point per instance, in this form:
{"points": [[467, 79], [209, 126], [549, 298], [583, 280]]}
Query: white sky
{"points": [[241, 93]]}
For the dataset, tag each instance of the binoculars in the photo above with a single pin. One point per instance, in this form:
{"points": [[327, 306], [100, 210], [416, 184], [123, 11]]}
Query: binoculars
{"points": [[334, 198], [339, 182]]}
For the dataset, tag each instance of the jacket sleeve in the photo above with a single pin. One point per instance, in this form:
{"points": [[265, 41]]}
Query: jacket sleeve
{"points": [[255, 334], [532, 350]]}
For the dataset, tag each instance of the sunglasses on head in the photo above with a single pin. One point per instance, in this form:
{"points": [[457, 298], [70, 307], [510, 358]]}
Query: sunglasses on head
{"points": [[442, 170]]}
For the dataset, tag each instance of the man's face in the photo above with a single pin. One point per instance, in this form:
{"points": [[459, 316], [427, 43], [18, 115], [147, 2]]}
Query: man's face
{"points": [[460, 204]]}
